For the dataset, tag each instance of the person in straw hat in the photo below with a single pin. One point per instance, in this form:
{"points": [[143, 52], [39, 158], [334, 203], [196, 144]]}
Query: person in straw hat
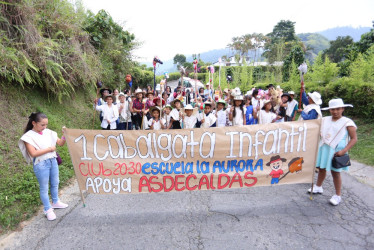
{"points": [[265, 115], [190, 117], [155, 122], [292, 107], [138, 107], [312, 103], [221, 113], [237, 111], [335, 130], [175, 114], [207, 119]]}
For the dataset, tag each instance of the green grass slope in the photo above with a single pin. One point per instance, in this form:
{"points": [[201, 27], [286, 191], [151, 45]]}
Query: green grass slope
{"points": [[19, 189]]}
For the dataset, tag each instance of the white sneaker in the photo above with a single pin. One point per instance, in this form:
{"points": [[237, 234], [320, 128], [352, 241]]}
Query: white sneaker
{"points": [[335, 200], [50, 214], [316, 189], [59, 204]]}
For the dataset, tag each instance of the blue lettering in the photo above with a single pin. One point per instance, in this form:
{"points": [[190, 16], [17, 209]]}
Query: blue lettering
{"points": [[144, 167], [155, 169]]}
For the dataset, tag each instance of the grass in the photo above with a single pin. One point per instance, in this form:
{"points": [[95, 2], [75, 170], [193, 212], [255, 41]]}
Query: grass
{"points": [[19, 189], [363, 151]]}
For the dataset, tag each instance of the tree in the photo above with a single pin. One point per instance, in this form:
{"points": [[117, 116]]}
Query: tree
{"points": [[179, 59], [283, 33], [296, 56], [338, 48]]}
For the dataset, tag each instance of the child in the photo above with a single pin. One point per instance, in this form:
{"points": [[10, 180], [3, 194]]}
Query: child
{"points": [[124, 110], [249, 120], [175, 114], [221, 113], [155, 123], [167, 116], [190, 119], [38, 145], [266, 114], [292, 108], [237, 113], [312, 109], [285, 99], [110, 113], [207, 119]]}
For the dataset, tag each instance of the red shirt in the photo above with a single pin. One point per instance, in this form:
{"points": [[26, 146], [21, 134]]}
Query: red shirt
{"points": [[276, 174]]}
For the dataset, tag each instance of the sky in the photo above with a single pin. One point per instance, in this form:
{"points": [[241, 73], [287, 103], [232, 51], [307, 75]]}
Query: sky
{"points": [[169, 27]]}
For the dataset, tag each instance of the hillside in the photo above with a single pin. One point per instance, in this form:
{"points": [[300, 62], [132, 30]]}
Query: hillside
{"points": [[315, 43], [355, 33], [19, 189]]}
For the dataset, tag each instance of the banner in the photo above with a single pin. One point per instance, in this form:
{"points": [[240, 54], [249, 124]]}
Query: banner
{"points": [[144, 161]]}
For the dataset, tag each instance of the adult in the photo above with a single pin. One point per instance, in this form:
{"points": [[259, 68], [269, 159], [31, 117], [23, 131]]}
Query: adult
{"points": [[312, 109], [335, 130], [148, 104], [38, 145], [104, 92], [208, 92], [110, 113], [292, 107], [124, 110], [138, 107], [115, 96]]}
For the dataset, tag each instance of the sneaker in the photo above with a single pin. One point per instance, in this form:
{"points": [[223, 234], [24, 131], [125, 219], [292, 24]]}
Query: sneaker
{"points": [[335, 200], [59, 204], [316, 189], [50, 214]]}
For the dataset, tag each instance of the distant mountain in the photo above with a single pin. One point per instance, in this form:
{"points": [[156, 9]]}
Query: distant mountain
{"points": [[211, 56], [355, 33], [315, 43]]}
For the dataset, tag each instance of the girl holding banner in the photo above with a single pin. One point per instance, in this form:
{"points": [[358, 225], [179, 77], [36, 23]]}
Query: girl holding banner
{"points": [[38, 145], [335, 130]]}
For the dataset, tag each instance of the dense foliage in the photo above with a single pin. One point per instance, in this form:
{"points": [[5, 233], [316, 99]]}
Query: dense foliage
{"points": [[61, 47]]}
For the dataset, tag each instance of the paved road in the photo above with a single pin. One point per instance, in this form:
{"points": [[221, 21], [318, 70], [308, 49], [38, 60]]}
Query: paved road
{"points": [[280, 217]]}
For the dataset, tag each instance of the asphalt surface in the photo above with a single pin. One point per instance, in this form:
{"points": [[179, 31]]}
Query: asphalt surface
{"points": [[278, 217]]}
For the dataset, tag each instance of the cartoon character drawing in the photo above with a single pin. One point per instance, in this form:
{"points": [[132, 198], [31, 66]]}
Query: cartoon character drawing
{"points": [[276, 163]]}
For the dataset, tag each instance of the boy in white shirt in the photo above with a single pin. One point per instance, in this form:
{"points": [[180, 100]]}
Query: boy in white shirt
{"points": [[207, 119], [190, 119], [155, 123]]}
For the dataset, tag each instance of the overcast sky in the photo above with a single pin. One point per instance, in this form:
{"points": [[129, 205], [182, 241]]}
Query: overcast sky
{"points": [[170, 27]]}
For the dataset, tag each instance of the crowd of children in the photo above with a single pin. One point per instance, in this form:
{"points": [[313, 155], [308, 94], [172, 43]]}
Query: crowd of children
{"points": [[180, 109]]}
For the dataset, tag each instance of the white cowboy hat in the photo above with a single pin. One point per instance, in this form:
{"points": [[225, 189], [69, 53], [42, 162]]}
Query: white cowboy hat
{"points": [[337, 103], [291, 93], [189, 106], [138, 90], [207, 83], [195, 111], [249, 93], [238, 98], [121, 94], [316, 97], [208, 102], [151, 109]]}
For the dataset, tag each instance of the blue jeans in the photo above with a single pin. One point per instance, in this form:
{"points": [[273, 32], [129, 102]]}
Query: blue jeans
{"points": [[47, 171], [124, 126]]}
